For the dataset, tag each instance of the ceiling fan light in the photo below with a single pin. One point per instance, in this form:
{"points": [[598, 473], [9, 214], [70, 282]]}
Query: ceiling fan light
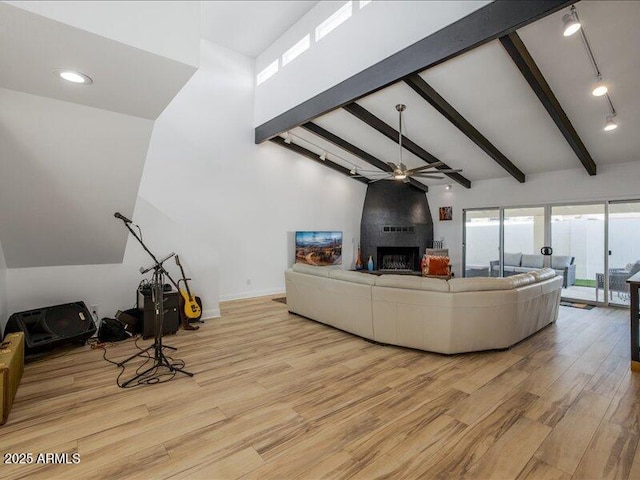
{"points": [[599, 88], [399, 175], [610, 124], [571, 24]]}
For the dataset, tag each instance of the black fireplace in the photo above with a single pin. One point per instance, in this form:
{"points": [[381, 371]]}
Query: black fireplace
{"points": [[396, 226], [402, 259]]}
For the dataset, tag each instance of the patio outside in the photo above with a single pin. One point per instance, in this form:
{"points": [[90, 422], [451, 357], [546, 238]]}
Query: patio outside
{"points": [[577, 231]]}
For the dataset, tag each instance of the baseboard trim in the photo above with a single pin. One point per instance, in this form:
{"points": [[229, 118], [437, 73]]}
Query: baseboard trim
{"points": [[255, 293], [211, 313]]}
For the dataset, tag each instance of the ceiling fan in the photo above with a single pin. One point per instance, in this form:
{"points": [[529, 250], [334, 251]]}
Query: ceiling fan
{"points": [[400, 171]]}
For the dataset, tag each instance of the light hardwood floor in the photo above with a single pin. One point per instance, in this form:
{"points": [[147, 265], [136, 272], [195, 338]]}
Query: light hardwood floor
{"points": [[276, 396]]}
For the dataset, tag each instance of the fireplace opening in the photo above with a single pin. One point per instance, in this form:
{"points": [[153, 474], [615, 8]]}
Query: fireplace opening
{"points": [[398, 259]]}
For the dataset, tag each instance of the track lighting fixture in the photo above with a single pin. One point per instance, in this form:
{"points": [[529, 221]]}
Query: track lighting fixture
{"points": [[599, 88], [353, 171], [323, 157], [287, 138], [610, 124], [571, 24]]}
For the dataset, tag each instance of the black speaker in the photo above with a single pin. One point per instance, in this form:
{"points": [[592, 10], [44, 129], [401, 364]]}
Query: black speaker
{"points": [[46, 328]]}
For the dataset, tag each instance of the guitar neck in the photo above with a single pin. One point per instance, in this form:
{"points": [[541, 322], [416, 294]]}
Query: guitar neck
{"points": [[184, 279]]}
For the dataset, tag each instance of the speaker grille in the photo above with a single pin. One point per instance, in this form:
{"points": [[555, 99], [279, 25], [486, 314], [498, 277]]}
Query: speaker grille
{"points": [[67, 321]]}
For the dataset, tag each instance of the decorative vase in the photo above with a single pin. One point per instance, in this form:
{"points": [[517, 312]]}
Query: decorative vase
{"points": [[359, 265], [370, 264]]}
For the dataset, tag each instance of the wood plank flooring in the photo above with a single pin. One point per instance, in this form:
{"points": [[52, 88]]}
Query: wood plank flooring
{"points": [[276, 396]]}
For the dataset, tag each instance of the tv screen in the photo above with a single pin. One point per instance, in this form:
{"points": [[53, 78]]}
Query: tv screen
{"points": [[319, 248]]}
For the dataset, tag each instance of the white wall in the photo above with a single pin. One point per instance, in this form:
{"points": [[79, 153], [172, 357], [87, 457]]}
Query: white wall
{"points": [[613, 182], [170, 29], [247, 200], [372, 34], [112, 287], [3, 293], [65, 169]]}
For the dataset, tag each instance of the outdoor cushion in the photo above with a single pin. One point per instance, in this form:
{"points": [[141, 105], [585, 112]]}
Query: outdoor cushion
{"points": [[532, 261], [560, 261], [512, 259]]}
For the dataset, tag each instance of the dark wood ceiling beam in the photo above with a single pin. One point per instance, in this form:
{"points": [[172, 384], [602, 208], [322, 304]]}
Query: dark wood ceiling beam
{"points": [[428, 93], [392, 134], [313, 156], [518, 52], [357, 152], [479, 27]]}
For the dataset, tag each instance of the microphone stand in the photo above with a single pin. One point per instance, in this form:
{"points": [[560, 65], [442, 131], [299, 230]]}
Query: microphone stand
{"points": [[157, 296]]}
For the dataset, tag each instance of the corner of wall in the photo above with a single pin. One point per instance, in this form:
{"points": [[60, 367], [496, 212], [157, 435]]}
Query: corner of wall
{"points": [[3, 293]]}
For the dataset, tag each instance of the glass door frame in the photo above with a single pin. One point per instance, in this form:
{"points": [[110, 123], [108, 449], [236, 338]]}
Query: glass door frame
{"points": [[548, 207]]}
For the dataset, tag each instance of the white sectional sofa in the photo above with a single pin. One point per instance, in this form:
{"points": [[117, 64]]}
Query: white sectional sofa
{"points": [[445, 316]]}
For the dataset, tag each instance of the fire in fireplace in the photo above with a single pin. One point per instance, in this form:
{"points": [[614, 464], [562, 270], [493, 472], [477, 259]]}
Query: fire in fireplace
{"points": [[398, 259]]}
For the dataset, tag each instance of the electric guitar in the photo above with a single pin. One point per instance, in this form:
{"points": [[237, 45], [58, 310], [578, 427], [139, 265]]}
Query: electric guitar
{"points": [[191, 306]]}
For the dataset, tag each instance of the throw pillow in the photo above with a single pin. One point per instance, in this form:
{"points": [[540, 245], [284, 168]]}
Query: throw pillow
{"points": [[437, 265]]}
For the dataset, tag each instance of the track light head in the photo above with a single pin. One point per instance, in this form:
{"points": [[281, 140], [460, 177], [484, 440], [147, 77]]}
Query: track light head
{"points": [[610, 124], [352, 171], [599, 88], [323, 157], [287, 138], [571, 24]]}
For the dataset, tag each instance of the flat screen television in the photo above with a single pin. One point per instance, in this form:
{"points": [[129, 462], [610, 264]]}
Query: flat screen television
{"points": [[319, 248]]}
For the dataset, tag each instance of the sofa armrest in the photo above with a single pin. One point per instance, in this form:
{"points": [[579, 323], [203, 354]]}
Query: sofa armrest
{"points": [[570, 275]]}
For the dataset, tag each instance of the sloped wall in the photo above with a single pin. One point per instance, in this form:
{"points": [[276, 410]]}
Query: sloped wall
{"points": [[112, 287], [65, 169]]}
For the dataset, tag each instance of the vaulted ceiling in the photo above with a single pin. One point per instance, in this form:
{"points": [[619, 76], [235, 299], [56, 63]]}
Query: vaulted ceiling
{"points": [[478, 112]]}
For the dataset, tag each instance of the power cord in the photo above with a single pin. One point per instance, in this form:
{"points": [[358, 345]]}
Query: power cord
{"points": [[156, 375]]}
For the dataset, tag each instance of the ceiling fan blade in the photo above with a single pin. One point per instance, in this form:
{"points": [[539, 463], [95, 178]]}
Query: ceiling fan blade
{"points": [[435, 177], [392, 165], [450, 170], [424, 167], [381, 178]]}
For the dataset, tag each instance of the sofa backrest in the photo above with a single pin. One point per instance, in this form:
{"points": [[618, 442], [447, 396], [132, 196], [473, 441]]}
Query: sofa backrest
{"points": [[560, 262], [532, 261], [512, 259], [413, 283], [477, 284], [311, 270], [353, 277]]}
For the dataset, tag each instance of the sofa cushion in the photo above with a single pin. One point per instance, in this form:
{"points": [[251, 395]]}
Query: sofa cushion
{"points": [[532, 261], [560, 262], [354, 277], [512, 259], [412, 283], [311, 270], [543, 274]]}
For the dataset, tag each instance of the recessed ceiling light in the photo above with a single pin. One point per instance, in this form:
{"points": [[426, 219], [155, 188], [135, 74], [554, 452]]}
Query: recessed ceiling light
{"points": [[610, 124], [448, 187], [74, 77], [599, 88], [571, 24]]}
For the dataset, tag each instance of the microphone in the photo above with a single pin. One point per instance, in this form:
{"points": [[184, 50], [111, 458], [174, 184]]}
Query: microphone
{"points": [[122, 217]]}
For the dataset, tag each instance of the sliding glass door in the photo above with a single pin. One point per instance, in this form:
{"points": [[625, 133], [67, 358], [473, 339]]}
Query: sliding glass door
{"points": [[524, 236], [578, 239], [482, 242], [624, 249]]}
